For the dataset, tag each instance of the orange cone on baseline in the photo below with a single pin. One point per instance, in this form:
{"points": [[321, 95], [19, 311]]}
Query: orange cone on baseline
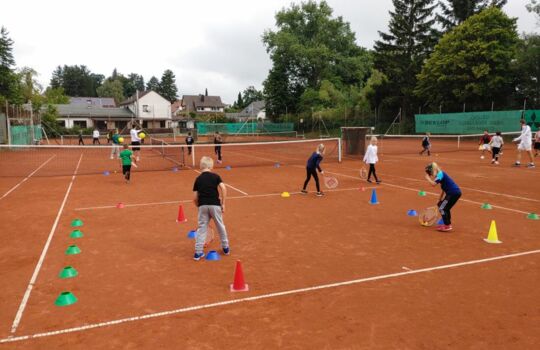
{"points": [[181, 217], [120, 205], [239, 285]]}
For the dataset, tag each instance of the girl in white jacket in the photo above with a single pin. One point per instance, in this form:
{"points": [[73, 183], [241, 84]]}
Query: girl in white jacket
{"points": [[371, 158]]}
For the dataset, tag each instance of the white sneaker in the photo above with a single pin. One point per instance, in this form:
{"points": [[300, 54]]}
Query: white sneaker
{"points": [[481, 157], [497, 162]]}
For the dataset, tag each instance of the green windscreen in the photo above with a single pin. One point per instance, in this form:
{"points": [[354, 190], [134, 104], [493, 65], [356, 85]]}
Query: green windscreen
{"points": [[471, 122]]}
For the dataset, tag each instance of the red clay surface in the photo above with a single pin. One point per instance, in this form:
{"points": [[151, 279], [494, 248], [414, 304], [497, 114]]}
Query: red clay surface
{"points": [[137, 261]]}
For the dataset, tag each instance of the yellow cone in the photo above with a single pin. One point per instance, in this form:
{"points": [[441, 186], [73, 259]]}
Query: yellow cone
{"points": [[492, 235], [285, 195]]}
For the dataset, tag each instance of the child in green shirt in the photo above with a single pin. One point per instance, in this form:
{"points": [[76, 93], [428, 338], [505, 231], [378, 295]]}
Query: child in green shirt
{"points": [[126, 159]]}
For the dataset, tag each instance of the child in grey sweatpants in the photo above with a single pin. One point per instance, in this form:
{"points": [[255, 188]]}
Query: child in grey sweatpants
{"points": [[206, 191]]}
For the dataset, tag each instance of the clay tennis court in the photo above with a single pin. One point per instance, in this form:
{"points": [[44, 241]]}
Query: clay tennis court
{"points": [[326, 273]]}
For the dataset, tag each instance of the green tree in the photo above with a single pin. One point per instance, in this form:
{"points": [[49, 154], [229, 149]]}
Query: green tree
{"points": [[167, 86], [471, 64], [401, 52], [250, 95], [239, 104], [56, 96], [112, 88], [309, 46], [9, 80], [454, 12], [534, 7], [153, 84], [527, 70], [77, 81], [28, 83], [135, 82]]}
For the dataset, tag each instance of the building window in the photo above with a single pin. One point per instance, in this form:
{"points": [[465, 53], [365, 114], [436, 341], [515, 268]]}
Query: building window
{"points": [[200, 109], [80, 123], [145, 124], [61, 123], [162, 123], [145, 109]]}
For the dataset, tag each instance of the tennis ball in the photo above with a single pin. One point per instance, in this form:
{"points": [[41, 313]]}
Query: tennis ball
{"points": [[121, 139], [142, 135]]}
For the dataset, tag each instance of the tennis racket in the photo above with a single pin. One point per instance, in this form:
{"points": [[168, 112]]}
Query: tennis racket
{"points": [[331, 182], [363, 173], [429, 216]]}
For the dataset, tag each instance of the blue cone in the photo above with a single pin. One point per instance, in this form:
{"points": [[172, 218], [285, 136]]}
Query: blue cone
{"points": [[277, 165], [213, 255], [192, 234], [228, 167], [440, 222], [373, 197], [106, 173], [175, 169], [412, 212]]}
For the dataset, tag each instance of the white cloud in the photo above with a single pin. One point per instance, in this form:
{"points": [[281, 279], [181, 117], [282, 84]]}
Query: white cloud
{"points": [[212, 44]]}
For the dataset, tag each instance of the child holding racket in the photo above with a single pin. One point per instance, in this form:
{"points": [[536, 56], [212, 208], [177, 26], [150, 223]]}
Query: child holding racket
{"points": [[127, 159], [206, 197], [484, 143], [525, 144], [371, 158], [449, 195], [218, 140], [314, 164], [426, 144], [496, 144]]}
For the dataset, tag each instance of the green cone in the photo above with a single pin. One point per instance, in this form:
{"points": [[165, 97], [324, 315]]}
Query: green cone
{"points": [[68, 272], [65, 299], [422, 193], [76, 234], [487, 206], [72, 250], [77, 223], [533, 216]]}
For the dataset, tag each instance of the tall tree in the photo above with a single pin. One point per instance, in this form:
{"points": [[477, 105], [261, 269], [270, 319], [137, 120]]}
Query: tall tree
{"points": [[310, 45], [29, 85], [527, 70], [112, 88], [534, 7], [472, 63], [153, 84], [167, 86], [9, 87], [401, 52], [251, 95], [454, 12], [77, 80]]}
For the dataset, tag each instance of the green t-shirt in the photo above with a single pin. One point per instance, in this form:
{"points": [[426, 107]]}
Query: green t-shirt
{"points": [[115, 138], [125, 155]]}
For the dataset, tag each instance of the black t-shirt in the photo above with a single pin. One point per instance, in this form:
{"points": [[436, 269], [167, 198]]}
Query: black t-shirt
{"points": [[189, 140], [206, 186]]}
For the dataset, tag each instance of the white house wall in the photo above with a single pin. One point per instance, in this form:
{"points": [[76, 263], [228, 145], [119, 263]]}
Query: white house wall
{"points": [[158, 107]]}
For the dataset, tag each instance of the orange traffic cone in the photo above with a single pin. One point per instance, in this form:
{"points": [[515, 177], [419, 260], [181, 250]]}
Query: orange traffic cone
{"points": [[120, 205], [239, 285], [181, 217]]}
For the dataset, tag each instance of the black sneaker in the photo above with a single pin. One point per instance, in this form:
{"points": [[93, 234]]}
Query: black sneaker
{"points": [[530, 165], [198, 256], [379, 181], [319, 194], [227, 251], [516, 164], [368, 180], [303, 192]]}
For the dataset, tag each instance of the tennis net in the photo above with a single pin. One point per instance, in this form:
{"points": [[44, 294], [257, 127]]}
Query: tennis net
{"points": [[156, 155], [412, 144]]}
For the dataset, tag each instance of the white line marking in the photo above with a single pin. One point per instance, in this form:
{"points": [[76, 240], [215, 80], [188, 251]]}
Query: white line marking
{"points": [[431, 193], [233, 197], [26, 296], [405, 268], [265, 296], [26, 178]]}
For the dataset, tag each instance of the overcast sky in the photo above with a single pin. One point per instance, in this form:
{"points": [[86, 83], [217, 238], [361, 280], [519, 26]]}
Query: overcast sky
{"points": [[214, 44]]}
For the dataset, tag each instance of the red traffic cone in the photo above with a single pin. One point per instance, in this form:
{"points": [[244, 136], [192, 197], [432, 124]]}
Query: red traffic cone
{"points": [[120, 205], [181, 217], [239, 285]]}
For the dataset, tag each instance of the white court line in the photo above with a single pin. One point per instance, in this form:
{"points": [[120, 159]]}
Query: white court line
{"points": [[432, 193], [233, 197], [226, 184], [26, 178], [467, 188], [265, 296], [26, 296]]}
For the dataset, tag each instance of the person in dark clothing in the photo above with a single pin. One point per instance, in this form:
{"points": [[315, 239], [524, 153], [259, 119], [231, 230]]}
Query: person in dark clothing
{"points": [[218, 140], [313, 164], [189, 141]]}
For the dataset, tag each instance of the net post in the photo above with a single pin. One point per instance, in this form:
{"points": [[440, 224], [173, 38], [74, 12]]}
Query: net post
{"points": [[458, 142], [193, 155], [339, 150]]}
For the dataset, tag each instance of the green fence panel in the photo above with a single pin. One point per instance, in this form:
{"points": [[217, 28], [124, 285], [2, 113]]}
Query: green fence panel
{"points": [[469, 123], [25, 135], [243, 128], [533, 119]]}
